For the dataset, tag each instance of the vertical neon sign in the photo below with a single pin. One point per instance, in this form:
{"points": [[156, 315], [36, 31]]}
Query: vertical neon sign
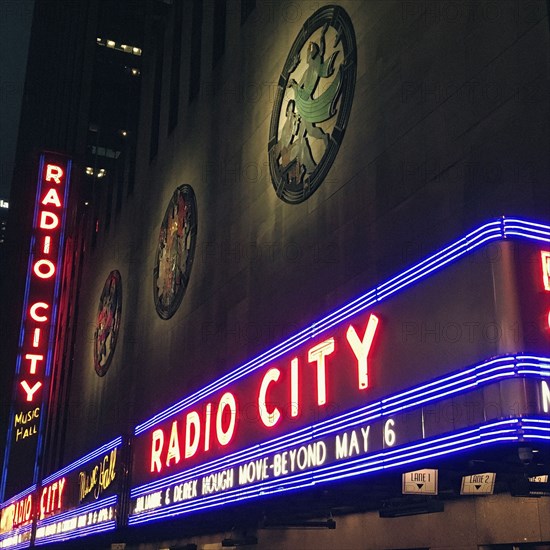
{"points": [[38, 324]]}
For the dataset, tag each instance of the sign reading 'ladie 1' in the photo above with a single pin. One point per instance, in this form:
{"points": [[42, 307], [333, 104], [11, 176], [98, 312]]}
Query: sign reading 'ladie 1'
{"points": [[38, 323]]}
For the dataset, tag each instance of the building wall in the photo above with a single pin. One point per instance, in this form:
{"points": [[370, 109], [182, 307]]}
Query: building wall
{"points": [[448, 129], [469, 524]]}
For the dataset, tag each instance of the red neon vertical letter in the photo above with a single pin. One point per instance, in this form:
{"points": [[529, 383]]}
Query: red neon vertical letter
{"points": [[317, 354], [268, 418], [545, 258], [54, 173], [30, 391], [361, 349]]}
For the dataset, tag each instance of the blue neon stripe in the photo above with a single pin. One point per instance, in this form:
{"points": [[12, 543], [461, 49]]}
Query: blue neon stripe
{"points": [[85, 531], [92, 507], [491, 231], [481, 436], [107, 525], [497, 369], [77, 463], [19, 496], [16, 532]]}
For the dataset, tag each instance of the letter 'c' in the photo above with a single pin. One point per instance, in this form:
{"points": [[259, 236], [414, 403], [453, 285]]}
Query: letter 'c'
{"points": [[34, 312], [268, 418]]}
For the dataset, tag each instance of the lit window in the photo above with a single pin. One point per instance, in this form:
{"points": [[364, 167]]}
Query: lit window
{"points": [[120, 47]]}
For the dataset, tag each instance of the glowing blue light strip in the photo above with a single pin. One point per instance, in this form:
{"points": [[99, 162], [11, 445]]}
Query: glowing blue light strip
{"points": [[19, 496], [15, 532], [83, 532], [107, 525], [537, 429], [25, 544], [496, 369], [480, 436], [87, 458], [362, 465], [498, 229], [92, 507], [515, 227]]}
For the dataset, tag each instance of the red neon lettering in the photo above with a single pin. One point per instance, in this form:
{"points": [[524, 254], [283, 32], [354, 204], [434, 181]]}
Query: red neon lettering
{"points": [[48, 220], [54, 173], [207, 427], [36, 338], [317, 354], [46, 274], [268, 418], [174, 445], [361, 348], [54, 496], [227, 400], [34, 360], [33, 312], [294, 388], [545, 257], [61, 483], [30, 391], [192, 424], [47, 244], [42, 506], [156, 449], [23, 509], [52, 198]]}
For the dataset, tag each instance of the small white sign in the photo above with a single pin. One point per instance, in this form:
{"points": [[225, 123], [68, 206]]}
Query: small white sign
{"points": [[478, 484], [539, 479], [420, 482]]}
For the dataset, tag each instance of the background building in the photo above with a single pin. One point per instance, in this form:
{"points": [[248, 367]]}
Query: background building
{"points": [[216, 210]]}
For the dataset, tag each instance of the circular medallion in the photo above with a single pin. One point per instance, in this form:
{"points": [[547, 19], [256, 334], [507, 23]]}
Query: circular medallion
{"points": [[107, 323], [175, 251], [312, 104]]}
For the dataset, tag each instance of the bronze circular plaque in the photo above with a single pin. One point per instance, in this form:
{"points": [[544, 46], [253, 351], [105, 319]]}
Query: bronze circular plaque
{"points": [[312, 104]]}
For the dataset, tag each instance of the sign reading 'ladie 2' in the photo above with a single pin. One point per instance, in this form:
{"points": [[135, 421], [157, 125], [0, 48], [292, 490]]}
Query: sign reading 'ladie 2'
{"points": [[38, 324]]}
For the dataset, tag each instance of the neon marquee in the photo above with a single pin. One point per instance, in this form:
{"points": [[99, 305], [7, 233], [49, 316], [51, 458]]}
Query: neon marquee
{"points": [[348, 396], [38, 324], [82, 498], [388, 382]]}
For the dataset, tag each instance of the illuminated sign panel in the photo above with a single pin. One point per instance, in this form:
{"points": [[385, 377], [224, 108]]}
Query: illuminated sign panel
{"points": [[349, 396], [82, 498], [16, 516], [38, 323]]}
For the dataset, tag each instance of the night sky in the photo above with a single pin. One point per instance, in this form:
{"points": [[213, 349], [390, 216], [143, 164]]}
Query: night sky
{"points": [[15, 26]]}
